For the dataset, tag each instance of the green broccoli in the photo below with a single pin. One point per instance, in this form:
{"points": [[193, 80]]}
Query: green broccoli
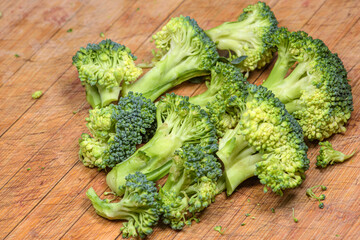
{"points": [[104, 69], [311, 194], [316, 92], [139, 206], [190, 186], [117, 130], [37, 94], [186, 52], [178, 123], [330, 156], [223, 76], [258, 138], [251, 36]]}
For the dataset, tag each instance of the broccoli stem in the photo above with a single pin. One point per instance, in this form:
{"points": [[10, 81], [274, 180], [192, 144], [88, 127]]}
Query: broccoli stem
{"points": [[204, 98], [106, 209], [291, 88], [92, 96], [239, 161], [152, 159], [278, 72], [108, 95], [167, 73]]}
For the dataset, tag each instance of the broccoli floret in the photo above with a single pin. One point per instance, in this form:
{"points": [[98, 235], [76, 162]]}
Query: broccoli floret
{"points": [[251, 35], [104, 68], [329, 156], [178, 123], [316, 92], [139, 206], [190, 186], [186, 53], [223, 75], [258, 138], [117, 130]]}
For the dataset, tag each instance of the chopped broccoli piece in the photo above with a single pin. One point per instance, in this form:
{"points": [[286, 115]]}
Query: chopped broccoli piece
{"points": [[186, 52], [178, 123], [316, 92], [329, 156], [252, 35], [139, 206], [219, 229], [190, 186], [223, 76], [311, 194], [258, 138], [117, 130], [37, 94], [293, 216], [104, 69]]}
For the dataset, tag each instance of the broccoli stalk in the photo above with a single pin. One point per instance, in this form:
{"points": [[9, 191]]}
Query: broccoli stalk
{"points": [[139, 206], [223, 75], [179, 123], [103, 69], [251, 35], [329, 156], [186, 53], [316, 92]]}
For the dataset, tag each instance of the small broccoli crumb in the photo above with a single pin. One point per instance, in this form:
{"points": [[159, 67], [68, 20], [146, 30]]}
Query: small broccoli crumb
{"points": [[1, 14], [218, 229], [37, 94], [137, 9], [322, 197], [69, 30], [243, 224], [28, 169], [102, 34], [248, 200], [17, 55], [293, 215], [252, 217], [248, 214], [42, 168], [337, 235], [273, 210]]}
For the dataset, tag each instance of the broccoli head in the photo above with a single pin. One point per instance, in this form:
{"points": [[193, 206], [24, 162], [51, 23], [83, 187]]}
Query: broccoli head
{"points": [[117, 130], [190, 186], [186, 51], [104, 68], [251, 36], [223, 76], [329, 156], [258, 138], [316, 92], [139, 206], [178, 123]]}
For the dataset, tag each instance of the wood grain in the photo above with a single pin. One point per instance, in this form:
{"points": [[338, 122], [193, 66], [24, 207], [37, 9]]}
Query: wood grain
{"points": [[50, 203]]}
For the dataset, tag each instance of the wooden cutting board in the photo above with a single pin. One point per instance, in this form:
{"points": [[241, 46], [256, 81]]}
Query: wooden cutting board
{"points": [[42, 183]]}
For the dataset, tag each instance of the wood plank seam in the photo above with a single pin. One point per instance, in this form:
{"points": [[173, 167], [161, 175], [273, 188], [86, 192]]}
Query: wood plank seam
{"points": [[40, 48]]}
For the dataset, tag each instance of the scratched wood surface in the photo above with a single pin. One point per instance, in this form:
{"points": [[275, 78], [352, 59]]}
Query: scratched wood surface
{"points": [[42, 183]]}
